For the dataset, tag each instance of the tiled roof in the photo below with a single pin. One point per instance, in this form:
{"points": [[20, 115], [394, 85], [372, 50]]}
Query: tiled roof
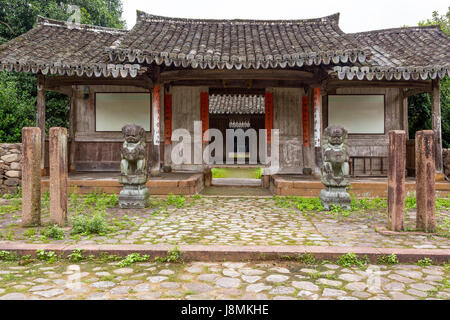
{"points": [[236, 104], [236, 43], [56, 47], [411, 52]]}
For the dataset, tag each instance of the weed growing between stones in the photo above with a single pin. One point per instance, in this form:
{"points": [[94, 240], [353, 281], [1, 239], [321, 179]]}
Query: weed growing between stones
{"points": [[133, 258], [173, 256], [76, 255], [54, 232], [350, 259], [8, 256], [86, 224], [49, 256], [390, 259], [425, 262]]}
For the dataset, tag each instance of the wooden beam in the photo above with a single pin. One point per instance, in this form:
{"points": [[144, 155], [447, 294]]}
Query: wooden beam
{"points": [[377, 84], [57, 83], [194, 74], [412, 92], [40, 117], [317, 107], [256, 84], [436, 122]]}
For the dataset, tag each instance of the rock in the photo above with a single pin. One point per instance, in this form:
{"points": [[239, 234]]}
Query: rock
{"points": [[282, 290], [123, 271], [328, 292], [305, 285], [226, 282], [231, 273], [208, 277], [255, 288], [199, 287], [14, 157], [16, 166], [329, 282], [40, 287], [170, 285], [157, 279], [166, 272], [50, 293], [13, 174], [251, 279], [103, 284], [350, 277], [13, 296], [277, 278], [356, 286], [120, 290]]}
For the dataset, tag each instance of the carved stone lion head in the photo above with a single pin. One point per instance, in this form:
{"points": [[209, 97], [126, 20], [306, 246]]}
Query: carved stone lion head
{"points": [[133, 133], [335, 134]]}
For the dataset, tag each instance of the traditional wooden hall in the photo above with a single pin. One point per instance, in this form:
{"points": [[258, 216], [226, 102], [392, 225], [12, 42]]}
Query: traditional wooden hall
{"points": [[297, 76]]}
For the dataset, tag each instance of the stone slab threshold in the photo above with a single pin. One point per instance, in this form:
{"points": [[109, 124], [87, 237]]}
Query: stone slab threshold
{"points": [[235, 253]]}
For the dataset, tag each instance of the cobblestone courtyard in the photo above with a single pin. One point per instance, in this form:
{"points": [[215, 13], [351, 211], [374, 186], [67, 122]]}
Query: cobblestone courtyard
{"points": [[227, 280], [236, 221]]}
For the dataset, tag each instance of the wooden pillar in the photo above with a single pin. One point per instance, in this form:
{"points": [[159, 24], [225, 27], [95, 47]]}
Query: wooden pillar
{"points": [[40, 117], [72, 130], [425, 178], [317, 101], [396, 179], [437, 127], [31, 176], [58, 175], [156, 116]]}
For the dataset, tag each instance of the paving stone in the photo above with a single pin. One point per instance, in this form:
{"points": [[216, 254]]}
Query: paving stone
{"points": [[328, 282], [120, 290], [422, 286], [258, 287], [194, 269], [97, 296], [103, 284], [149, 296], [410, 274], [307, 294], [143, 287], [356, 286], [277, 278], [234, 265], [252, 272], [401, 296], [166, 272], [400, 278], [40, 288], [124, 271], [211, 277], [394, 286], [157, 279], [282, 290], [328, 292], [350, 277], [280, 270], [198, 287], [283, 298], [230, 273], [170, 285], [361, 294], [418, 293], [13, 296], [305, 285], [49, 293], [225, 282], [251, 279]]}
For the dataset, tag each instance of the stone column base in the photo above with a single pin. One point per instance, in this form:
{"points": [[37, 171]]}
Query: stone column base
{"points": [[134, 197]]}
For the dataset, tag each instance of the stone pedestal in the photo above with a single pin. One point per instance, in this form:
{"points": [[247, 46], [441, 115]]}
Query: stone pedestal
{"points": [[425, 180], [335, 196], [135, 194]]}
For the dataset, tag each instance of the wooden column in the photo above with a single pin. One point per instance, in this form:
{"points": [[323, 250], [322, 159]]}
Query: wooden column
{"points": [[72, 130], [40, 117], [317, 100], [425, 178], [437, 126], [31, 176], [58, 175], [396, 179], [156, 116]]}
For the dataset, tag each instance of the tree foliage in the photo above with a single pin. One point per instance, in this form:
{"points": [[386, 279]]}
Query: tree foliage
{"points": [[18, 90], [419, 106]]}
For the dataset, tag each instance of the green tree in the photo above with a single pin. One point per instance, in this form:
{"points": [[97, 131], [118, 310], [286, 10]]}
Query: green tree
{"points": [[419, 106], [19, 89]]}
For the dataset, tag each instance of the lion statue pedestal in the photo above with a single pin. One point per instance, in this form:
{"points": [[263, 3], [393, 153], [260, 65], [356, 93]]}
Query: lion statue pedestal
{"points": [[335, 169], [134, 173]]}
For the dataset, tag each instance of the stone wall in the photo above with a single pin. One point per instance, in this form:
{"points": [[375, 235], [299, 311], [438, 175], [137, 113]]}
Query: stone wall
{"points": [[10, 167], [446, 159]]}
